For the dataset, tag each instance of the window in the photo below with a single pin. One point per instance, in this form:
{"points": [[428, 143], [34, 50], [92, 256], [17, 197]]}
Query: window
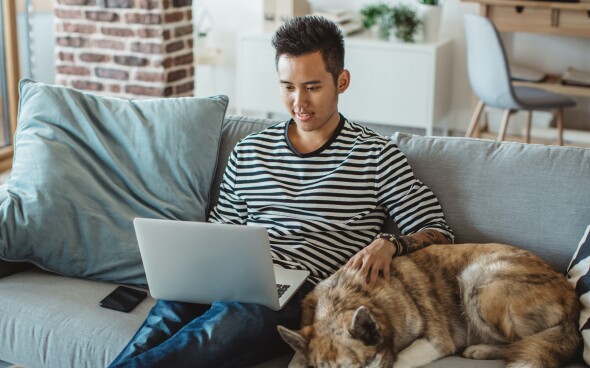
{"points": [[9, 76]]}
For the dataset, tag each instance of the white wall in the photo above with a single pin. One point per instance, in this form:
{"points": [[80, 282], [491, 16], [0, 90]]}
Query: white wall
{"points": [[229, 18], [548, 53]]}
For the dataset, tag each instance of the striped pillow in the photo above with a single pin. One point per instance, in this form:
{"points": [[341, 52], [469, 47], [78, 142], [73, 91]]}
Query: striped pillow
{"points": [[579, 277]]}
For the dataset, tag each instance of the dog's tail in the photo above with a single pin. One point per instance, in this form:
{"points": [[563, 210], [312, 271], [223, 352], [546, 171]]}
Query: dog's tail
{"points": [[550, 348]]}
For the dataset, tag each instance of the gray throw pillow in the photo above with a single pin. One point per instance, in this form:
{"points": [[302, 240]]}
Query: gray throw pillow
{"points": [[85, 166]]}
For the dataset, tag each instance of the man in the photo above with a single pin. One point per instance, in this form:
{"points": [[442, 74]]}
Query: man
{"points": [[321, 186]]}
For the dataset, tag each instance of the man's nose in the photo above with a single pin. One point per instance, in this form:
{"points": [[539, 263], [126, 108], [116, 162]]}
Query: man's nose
{"points": [[299, 98]]}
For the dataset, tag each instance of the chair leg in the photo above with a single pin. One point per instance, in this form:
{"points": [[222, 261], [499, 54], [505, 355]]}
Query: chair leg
{"points": [[502, 132], [486, 122], [560, 126], [475, 119], [527, 128]]}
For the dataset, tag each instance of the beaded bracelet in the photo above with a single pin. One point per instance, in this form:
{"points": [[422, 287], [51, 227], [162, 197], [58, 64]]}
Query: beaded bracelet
{"points": [[400, 245]]}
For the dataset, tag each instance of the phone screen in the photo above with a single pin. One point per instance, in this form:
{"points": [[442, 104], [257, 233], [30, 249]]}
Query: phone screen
{"points": [[123, 299]]}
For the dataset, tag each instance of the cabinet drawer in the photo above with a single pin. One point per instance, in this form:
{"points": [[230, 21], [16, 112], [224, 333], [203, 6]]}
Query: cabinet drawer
{"points": [[514, 18], [574, 20]]}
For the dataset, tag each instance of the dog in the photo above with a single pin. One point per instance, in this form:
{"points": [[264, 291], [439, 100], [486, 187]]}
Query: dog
{"points": [[488, 301]]}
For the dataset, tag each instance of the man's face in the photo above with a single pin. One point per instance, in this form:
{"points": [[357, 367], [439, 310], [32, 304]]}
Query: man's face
{"points": [[308, 91]]}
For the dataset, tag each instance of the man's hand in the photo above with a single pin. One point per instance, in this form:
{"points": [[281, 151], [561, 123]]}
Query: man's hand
{"points": [[373, 259]]}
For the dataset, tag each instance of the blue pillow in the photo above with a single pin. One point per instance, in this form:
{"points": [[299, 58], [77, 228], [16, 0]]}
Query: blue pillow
{"points": [[578, 274], [85, 166]]}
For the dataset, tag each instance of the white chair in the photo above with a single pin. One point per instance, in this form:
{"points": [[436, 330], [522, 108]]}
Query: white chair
{"points": [[489, 75]]}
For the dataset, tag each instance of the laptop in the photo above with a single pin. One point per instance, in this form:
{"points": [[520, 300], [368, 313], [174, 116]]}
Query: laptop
{"points": [[201, 262]]}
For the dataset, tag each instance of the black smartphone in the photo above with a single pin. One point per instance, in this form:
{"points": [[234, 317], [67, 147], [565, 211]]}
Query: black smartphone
{"points": [[123, 299]]}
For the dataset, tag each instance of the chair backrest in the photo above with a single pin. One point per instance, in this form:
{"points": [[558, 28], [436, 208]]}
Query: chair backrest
{"points": [[487, 65]]}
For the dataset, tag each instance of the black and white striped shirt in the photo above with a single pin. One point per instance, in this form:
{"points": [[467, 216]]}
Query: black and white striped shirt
{"points": [[323, 207]]}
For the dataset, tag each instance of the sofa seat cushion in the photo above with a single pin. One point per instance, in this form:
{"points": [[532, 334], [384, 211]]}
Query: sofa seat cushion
{"points": [[85, 166], [48, 320], [448, 362]]}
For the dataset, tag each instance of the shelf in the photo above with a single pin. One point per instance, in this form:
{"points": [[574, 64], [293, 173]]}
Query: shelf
{"points": [[536, 4], [556, 18], [553, 84]]}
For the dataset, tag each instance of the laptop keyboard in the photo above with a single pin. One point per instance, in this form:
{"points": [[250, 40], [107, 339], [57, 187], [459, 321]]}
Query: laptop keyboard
{"points": [[281, 289]]}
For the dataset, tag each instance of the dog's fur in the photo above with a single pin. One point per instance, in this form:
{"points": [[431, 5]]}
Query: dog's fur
{"points": [[488, 301]]}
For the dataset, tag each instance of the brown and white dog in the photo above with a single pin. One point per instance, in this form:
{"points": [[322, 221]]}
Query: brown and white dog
{"points": [[488, 301]]}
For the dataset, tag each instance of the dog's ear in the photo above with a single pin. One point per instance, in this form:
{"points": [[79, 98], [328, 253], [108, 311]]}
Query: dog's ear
{"points": [[364, 327], [294, 338]]}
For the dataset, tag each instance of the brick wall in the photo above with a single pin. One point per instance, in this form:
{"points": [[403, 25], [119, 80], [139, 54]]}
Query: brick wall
{"points": [[125, 48]]}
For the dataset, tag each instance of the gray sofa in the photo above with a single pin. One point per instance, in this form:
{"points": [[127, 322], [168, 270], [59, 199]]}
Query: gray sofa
{"points": [[532, 196]]}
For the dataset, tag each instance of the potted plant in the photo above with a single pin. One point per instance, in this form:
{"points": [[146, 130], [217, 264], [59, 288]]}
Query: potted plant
{"points": [[404, 22], [430, 13], [371, 15]]}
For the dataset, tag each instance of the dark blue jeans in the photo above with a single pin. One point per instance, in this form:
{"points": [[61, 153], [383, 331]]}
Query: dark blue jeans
{"points": [[221, 335]]}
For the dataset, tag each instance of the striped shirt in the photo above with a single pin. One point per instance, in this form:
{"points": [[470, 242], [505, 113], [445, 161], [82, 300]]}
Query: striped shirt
{"points": [[323, 207]]}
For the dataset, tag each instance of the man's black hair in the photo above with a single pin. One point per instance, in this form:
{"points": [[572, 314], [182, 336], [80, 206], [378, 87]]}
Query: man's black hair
{"points": [[304, 35]]}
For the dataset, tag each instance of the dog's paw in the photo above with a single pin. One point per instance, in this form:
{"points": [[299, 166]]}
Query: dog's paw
{"points": [[520, 365], [399, 364], [298, 361], [483, 352]]}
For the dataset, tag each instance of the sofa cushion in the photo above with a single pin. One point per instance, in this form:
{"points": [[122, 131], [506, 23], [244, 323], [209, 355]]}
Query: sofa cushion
{"points": [[53, 321], [85, 166], [528, 195], [579, 276]]}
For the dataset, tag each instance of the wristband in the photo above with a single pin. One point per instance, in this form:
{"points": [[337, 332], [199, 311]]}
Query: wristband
{"points": [[399, 245]]}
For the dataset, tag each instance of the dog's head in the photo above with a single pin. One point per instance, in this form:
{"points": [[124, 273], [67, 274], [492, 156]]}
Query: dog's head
{"points": [[349, 339]]}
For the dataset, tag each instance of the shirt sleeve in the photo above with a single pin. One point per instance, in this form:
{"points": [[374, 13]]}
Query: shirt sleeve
{"points": [[410, 203], [230, 208]]}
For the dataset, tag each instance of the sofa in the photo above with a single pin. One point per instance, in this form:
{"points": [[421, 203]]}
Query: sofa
{"points": [[532, 196]]}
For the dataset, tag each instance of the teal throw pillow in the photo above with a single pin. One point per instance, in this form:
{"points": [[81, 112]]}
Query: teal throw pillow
{"points": [[85, 166]]}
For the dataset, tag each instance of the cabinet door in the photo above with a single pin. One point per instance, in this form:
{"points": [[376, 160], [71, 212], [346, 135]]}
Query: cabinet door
{"points": [[258, 82], [388, 86]]}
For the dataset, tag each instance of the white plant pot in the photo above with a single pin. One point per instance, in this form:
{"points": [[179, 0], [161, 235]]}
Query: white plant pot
{"points": [[375, 30], [430, 16]]}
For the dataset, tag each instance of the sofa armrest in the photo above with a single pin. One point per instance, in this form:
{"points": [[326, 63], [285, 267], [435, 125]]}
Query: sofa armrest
{"points": [[10, 268]]}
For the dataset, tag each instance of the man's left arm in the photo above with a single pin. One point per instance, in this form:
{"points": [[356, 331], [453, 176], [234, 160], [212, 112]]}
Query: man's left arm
{"points": [[406, 244], [415, 210], [376, 258]]}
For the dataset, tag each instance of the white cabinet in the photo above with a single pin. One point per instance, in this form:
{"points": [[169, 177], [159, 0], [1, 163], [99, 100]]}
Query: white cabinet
{"points": [[391, 83]]}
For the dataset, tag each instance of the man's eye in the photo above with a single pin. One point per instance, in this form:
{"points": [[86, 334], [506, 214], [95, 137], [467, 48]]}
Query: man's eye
{"points": [[313, 88]]}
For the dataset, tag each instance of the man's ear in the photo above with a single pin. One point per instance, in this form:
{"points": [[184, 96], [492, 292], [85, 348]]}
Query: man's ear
{"points": [[364, 327], [294, 338], [343, 81]]}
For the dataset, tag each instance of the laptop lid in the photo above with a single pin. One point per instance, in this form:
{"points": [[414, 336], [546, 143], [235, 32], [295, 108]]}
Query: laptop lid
{"points": [[201, 262]]}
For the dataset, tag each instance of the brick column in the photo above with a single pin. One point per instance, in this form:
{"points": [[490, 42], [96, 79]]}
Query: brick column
{"points": [[125, 48]]}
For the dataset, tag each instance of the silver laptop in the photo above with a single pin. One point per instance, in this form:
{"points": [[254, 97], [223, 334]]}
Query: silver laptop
{"points": [[201, 262]]}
